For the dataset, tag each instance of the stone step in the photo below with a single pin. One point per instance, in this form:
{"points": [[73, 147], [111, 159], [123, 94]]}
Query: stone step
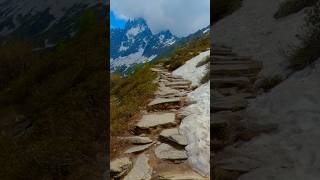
{"points": [[228, 103], [141, 169], [186, 175], [137, 149], [137, 140], [120, 167], [178, 83], [225, 82], [181, 87], [156, 120], [223, 58], [167, 152], [233, 62], [165, 103], [235, 70], [173, 135]]}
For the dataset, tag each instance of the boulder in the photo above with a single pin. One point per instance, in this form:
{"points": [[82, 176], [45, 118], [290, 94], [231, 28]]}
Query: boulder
{"points": [[165, 151], [119, 167], [141, 169]]}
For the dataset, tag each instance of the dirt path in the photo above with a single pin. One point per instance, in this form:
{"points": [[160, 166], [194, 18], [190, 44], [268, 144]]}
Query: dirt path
{"points": [[156, 149]]}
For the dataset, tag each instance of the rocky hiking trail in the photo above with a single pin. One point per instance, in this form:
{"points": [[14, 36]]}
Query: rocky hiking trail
{"points": [[233, 85], [156, 147]]}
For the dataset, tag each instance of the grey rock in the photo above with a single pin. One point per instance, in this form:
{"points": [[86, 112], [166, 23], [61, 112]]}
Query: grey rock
{"points": [[119, 167], [165, 151], [138, 148], [156, 119], [174, 136], [138, 140], [141, 169]]}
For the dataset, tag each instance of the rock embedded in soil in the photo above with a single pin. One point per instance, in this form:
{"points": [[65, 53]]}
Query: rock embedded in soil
{"points": [[119, 167], [141, 169], [156, 119], [159, 101], [173, 135], [137, 149], [181, 176], [137, 140], [167, 152]]}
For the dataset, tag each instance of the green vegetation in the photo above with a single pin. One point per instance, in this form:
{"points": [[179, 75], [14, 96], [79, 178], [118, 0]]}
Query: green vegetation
{"points": [[205, 61], [222, 8], [267, 83], [129, 95], [292, 6], [53, 107], [186, 52], [309, 51]]}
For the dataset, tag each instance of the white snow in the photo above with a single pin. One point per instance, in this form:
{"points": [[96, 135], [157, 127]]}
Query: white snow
{"points": [[294, 106], [196, 127], [252, 31], [134, 58], [207, 30], [292, 152], [190, 71], [123, 48], [135, 31]]}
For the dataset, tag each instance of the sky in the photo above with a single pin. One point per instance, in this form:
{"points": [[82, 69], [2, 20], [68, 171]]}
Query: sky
{"points": [[181, 17]]}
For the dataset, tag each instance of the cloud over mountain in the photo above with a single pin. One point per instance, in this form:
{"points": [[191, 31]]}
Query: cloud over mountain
{"points": [[181, 17]]}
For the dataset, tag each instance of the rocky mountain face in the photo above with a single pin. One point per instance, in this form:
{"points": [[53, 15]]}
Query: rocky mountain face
{"points": [[136, 44], [43, 21]]}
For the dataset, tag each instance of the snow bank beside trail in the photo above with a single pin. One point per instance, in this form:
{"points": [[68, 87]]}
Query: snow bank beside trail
{"points": [[252, 31], [293, 152], [190, 71], [196, 127]]}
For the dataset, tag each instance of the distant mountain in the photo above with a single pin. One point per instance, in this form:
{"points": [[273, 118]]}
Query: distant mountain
{"points": [[136, 44], [43, 21]]}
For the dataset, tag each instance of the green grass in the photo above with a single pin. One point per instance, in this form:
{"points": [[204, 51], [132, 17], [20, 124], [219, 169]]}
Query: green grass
{"points": [[309, 50], [128, 95], [61, 94], [292, 6], [267, 83], [185, 53]]}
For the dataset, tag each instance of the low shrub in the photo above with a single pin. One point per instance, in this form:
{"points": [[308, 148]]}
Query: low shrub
{"points": [[292, 6]]}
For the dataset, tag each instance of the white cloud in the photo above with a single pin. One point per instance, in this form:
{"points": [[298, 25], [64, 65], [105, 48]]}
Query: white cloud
{"points": [[181, 17]]}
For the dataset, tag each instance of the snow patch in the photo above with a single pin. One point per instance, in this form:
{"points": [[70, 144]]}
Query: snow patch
{"points": [[134, 58], [135, 31], [190, 71], [196, 127]]}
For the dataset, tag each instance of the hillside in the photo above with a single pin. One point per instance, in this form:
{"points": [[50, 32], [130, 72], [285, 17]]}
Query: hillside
{"points": [[275, 134], [53, 107]]}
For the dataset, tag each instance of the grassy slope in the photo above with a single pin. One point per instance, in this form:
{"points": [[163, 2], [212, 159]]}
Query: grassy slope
{"points": [[53, 108]]}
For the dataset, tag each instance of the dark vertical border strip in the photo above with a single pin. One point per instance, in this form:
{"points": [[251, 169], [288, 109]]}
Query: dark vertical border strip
{"points": [[107, 40], [211, 84]]}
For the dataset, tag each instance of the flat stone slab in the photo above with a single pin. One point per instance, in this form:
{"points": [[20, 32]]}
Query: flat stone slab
{"points": [[156, 70], [178, 83], [229, 103], [224, 82], [156, 119], [181, 176], [120, 167], [235, 69], [242, 164], [164, 91], [165, 151], [141, 169], [138, 148], [137, 140], [158, 101], [174, 135]]}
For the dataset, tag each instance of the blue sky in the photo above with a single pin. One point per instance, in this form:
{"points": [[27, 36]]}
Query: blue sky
{"points": [[181, 17], [116, 22]]}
